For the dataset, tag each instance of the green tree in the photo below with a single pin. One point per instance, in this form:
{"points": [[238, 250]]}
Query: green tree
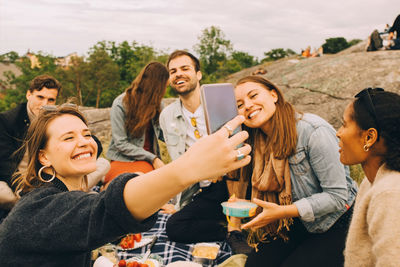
{"points": [[16, 86], [103, 79], [74, 79], [335, 45], [11, 57], [277, 53], [213, 49], [245, 60], [131, 58], [354, 42]]}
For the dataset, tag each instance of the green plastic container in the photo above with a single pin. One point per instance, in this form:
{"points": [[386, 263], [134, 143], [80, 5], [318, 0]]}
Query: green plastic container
{"points": [[239, 209]]}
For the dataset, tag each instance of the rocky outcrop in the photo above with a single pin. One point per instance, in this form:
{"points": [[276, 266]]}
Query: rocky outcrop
{"points": [[8, 67], [99, 123], [324, 85]]}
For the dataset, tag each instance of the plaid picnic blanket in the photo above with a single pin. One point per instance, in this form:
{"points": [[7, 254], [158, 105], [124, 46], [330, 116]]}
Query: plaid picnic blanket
{"points": [[172, 251]]}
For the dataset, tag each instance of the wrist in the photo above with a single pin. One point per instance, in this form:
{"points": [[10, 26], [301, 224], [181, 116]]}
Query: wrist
{"points": [[290, 211], [183, 174]]}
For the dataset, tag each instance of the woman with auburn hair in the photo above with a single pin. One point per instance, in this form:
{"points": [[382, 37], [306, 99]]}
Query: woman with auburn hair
{"points": [[370, 136], [296, 177], [134, 123], [56, 223]]}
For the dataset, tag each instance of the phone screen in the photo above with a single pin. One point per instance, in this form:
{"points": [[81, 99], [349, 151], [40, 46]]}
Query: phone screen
{"points": [[219, 104]]}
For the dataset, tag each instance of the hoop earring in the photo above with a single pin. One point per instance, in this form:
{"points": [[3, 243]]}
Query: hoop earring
{"points": [[40, 174], [366, 148]]}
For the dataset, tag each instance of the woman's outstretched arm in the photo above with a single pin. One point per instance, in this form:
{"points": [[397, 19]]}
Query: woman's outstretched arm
{"points": [[211, 156]]}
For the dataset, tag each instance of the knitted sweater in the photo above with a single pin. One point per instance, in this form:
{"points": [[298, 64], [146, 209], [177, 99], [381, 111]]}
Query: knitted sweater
{"points": [[374, 233], [51, 226]]}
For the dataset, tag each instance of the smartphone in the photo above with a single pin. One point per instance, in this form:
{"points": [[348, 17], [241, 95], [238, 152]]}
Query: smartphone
{"points": [[219, 104]]}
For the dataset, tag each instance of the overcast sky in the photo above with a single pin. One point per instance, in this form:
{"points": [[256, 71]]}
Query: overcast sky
{"points": [[60, 27]]}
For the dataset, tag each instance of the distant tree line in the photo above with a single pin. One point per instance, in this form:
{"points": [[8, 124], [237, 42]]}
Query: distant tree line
{"points": [[337, 44], [109, 68]]}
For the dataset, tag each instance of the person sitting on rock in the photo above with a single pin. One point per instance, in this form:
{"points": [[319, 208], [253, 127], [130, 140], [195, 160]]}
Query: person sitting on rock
{"points": [[375, 41], [395, 39], [307, 52]]}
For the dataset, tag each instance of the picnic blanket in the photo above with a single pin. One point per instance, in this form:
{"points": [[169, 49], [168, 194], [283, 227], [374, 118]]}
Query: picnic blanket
{"points": [[172, 251]]}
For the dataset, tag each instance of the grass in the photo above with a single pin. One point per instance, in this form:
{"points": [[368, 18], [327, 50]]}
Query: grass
{"points": [[357, 173]]}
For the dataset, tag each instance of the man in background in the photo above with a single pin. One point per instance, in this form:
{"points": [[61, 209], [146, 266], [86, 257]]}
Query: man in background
{"points": [[14, 123]]}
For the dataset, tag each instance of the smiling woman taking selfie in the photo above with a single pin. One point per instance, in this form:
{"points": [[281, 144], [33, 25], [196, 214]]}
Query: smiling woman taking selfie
{"points": [[296, 177], [370, 136], [56, 223]]}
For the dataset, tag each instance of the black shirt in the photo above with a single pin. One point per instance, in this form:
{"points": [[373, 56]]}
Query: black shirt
{"points": [[396, 26]]}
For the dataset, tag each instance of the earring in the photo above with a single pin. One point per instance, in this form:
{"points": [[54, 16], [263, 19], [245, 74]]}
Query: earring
{"points": [[366, 148], [40, 174]]}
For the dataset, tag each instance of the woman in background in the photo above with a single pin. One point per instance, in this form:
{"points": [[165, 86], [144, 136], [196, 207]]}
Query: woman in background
{"points": [[370, 135], [305, 192], [134, 123], [56, 223]]}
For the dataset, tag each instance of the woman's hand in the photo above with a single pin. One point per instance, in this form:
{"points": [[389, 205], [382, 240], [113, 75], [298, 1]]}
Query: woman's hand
{"points": [[216, 154], [211, 156], [168, 208], [271, 212]]}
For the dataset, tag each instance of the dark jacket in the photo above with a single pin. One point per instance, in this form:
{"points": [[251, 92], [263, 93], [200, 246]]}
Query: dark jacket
{"points": [[396, 26], [51, 226], [14, 124]]}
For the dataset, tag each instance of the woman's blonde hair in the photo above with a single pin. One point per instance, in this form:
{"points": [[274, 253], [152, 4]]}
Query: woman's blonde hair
{"points": [[36, 139]]}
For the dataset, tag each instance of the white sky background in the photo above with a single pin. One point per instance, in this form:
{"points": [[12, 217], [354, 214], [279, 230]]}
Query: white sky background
{"points": [[60, 27]]}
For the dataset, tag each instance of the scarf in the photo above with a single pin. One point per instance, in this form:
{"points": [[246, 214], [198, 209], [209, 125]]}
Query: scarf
{"points": [[271, 183]]}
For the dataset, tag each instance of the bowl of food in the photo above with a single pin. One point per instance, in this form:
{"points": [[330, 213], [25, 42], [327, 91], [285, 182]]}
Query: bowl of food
{"points": [[205, 253], [239, 208], [153, 260]]}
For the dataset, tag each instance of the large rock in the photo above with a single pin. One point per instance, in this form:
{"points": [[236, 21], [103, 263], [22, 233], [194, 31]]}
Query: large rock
{"points": [[99, 123], [324, 85]]}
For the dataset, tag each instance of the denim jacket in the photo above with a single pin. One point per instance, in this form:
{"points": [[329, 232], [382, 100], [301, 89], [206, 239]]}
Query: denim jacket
{"points": [[124, 147], [322, 188], [173, 126]]}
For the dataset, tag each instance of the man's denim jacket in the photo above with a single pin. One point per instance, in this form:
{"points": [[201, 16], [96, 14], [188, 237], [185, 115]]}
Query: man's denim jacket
{"points": [[322, 188], [174, 129], [124, 147], [173, 126]]}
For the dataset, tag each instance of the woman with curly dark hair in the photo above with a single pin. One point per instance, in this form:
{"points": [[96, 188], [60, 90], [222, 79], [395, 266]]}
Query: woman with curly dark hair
{"points": [[370, 136]]}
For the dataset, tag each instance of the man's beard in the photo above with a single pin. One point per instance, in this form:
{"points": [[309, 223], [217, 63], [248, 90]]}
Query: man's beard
{"points": [[187, 91]]}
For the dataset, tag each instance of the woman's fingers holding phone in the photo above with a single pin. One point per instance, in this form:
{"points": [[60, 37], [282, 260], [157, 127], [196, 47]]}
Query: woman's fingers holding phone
{"points": [[217, 154], [231, 125], [241, 152]]}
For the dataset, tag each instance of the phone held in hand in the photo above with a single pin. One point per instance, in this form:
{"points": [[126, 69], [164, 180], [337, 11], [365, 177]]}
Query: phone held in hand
{"points": [[219, 104]]}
